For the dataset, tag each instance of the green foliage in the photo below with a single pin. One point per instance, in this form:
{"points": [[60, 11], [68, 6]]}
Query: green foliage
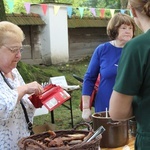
{"points": [[24, 71], [31, 73], [19, 5], [93, 3]]}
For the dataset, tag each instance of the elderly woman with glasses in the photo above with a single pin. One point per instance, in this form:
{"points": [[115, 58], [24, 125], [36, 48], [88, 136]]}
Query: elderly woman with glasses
{"points": [[14, 92]]}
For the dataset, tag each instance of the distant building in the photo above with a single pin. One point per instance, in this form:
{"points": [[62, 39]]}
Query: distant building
{"points": [[55, 38]]}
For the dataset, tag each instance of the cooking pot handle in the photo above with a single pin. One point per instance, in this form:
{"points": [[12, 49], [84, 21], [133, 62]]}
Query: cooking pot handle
{"points": [[117, 123], [84, 124]]}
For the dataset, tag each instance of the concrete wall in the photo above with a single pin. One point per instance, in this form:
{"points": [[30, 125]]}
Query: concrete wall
{"points": [[54, 35]]}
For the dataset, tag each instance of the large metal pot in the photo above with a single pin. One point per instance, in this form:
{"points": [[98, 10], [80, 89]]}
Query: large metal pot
{"points": [[116, 133]]}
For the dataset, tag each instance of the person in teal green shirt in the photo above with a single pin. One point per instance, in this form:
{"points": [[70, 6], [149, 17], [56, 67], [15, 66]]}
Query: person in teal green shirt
{"points": [[131, 92]]}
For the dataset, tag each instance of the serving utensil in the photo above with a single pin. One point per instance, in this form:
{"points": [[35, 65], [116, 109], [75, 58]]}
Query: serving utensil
{"points": [[100, 130]]}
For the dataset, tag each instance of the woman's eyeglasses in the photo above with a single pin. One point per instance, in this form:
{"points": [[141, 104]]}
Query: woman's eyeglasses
{"points": [[14, 50]]}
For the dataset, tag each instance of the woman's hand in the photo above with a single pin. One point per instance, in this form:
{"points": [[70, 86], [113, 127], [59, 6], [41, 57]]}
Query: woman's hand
{"points": [[86, 114], [34, 88], [30, 88]]}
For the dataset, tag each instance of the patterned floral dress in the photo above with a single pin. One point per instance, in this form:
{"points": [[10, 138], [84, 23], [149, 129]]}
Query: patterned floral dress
{"points": [[13, 125]]}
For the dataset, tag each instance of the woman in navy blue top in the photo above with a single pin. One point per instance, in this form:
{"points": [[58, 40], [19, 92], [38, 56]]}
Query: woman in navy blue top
{"points": [[104, 61]]}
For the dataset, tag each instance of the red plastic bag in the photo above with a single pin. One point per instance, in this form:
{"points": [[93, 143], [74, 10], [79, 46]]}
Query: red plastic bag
{"points": [[93, 94], [52, 97]]}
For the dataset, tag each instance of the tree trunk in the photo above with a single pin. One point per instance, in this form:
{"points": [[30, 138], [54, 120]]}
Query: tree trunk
{"points": [[2, 11], [124, 4]]}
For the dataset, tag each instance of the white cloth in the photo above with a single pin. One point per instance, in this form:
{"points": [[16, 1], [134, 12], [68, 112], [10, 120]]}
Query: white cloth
{"points": [[13, 125]]}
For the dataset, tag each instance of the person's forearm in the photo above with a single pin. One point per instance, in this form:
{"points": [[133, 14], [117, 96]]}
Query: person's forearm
{"points": [[21, 91], [85, 101], [86, 110]]}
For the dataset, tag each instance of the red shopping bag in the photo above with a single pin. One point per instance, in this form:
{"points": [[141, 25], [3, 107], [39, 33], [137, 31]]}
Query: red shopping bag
{"points": [[93, 94], [52, 97]]}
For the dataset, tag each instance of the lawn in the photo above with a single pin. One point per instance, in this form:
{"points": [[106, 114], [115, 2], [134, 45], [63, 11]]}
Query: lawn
{"points": [[42, 73]]}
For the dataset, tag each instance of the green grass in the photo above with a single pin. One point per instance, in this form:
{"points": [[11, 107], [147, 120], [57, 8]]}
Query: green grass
{"points": [[42, 73]]}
